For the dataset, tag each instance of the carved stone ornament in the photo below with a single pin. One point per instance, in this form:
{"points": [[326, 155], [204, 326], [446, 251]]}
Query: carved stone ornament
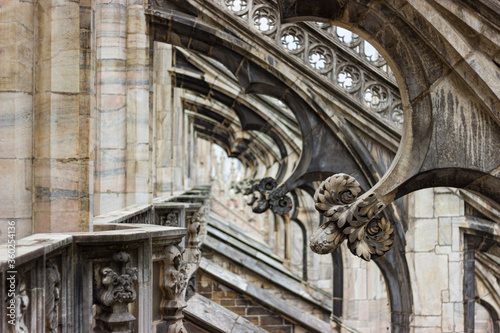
{"points": [[171, 219], [16, 308], [114, 295], [172, 284], [52, 296], [350, 218], [263, 195]]}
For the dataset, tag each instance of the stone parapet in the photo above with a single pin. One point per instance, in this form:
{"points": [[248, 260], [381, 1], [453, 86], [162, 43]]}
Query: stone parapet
{"points": [[128, 275]]}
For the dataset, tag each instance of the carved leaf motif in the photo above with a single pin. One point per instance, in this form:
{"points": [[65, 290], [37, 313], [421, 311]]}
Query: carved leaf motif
{"points": [[327, 238], [350, 218]]}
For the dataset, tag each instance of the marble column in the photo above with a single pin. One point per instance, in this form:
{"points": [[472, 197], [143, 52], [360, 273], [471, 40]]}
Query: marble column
{"points": [[111, 100], [63, 148], [16, 116], [163, 136], [139, 131]]}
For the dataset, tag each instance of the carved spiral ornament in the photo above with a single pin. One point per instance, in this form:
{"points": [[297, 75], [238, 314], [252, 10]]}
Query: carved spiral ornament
{"points": [[351, 218]]}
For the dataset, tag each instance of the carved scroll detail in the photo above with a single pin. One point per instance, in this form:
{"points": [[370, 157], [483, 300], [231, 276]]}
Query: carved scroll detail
{"points": [[350, 218], [115, 293], [173, 283], [52, 296]]}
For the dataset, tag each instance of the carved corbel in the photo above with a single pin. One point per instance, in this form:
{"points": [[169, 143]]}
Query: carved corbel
{"points": [[52, 296], [351, 218], [173, 281], [114, 295]]}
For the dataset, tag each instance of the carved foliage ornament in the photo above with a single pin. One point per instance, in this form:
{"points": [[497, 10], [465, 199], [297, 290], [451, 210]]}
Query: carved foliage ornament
{"points": [[173, 283], [115, 293], [350, 218], [263, 195], [117, 288]]}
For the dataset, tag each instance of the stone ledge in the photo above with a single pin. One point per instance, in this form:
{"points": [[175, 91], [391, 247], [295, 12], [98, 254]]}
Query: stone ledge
{"points": [[216, 317]]}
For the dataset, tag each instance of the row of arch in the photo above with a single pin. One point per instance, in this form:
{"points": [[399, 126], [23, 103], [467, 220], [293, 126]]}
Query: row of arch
{"points": [[259, 72]]}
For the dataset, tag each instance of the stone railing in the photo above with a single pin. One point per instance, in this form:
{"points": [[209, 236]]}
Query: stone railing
{"points": [[344, 58], [129, 275]]}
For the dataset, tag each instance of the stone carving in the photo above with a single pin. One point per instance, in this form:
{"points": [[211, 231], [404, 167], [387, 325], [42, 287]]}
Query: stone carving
{"points": [[172, 284], [143, 218], [350, 218], [114, 295], [171, 219], [265, 19], [397, 114], [292, 39], [52, 296], [237, 6], [349, 77], [194, 229], [16, 316], [263, 195], [280, 203], [376, 97], [191, 288], [321, 58]]}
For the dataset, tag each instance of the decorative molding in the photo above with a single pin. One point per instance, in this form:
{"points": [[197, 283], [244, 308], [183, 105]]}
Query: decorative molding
{"points": [[52, 296], [173, 282], [114, 295], [350, 218]]}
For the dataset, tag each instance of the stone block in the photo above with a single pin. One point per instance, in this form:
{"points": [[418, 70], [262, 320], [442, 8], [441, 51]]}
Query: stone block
{"points": [[456, 278], [57, 125], [444, 232], [448, 314], [110, 171], [425, 234], [449, 204], [431, 277], [427, 321], [422, 204]]}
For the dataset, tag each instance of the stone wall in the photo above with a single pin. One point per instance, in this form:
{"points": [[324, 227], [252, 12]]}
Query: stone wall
{"points": [[243, 305]]}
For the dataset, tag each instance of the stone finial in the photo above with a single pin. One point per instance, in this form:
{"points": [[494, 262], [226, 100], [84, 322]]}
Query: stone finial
{"points": [[52, 296], [114, 295], [172, 284], [351, 218]]}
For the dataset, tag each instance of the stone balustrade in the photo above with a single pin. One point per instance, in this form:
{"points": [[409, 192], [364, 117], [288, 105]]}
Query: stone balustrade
{"points": [[128, 275]]}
